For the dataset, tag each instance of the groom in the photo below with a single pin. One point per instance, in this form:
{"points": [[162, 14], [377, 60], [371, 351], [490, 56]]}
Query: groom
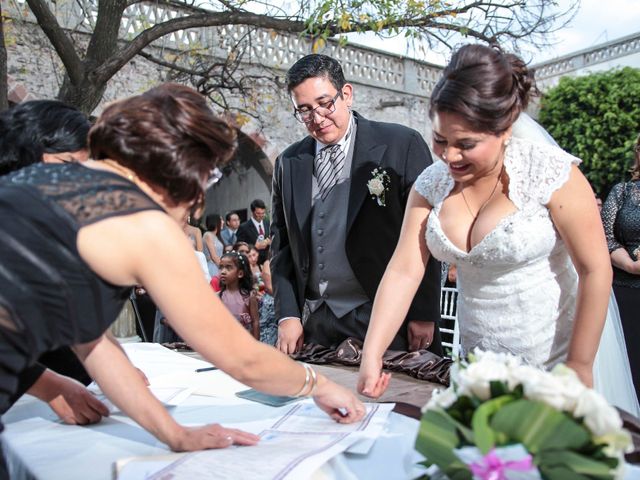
{"points": [[332, 235]]}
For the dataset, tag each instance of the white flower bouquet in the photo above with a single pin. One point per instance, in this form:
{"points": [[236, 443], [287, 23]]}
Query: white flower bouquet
{"points": [[501, 419]]}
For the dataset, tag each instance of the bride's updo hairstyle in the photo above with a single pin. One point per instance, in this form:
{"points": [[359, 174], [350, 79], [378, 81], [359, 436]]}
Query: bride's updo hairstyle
{"points": [[486, 87], [168, 136]]}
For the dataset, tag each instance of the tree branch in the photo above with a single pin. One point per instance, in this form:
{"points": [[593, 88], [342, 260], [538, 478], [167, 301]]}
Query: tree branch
{"points": [[212, 19], [59, 39]]}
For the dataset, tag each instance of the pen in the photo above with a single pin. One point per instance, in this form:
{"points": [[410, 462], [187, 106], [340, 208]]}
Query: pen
{"points": [[206, 369]]}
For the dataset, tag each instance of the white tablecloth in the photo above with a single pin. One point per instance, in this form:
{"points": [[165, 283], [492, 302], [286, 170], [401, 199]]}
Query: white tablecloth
{"points": [[38, 446]]}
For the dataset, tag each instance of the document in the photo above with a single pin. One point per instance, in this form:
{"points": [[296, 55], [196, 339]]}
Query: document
{"points": [[293, 446], [278, 456]]}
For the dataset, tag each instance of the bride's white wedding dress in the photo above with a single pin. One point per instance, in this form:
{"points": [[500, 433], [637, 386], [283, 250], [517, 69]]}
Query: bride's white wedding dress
{"points": [[517, 286]]}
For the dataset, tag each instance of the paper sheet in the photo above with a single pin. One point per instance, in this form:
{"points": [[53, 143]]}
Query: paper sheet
{"points": [[279, 455], [168, 396], [296, 444], [212, 383]]}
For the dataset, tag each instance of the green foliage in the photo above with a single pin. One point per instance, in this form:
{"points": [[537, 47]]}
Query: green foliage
{"points": [[596, 117]]}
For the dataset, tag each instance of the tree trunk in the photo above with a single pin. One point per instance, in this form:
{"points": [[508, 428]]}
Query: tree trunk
{"points": [[85, 96], [4, 81]]}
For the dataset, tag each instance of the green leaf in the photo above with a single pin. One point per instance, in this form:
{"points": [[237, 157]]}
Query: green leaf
{"points": [[436, 440], [539, 427], [579, 464], [485, 437]]}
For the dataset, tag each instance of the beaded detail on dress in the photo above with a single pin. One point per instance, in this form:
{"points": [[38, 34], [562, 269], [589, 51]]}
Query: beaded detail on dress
{"points": [[516, 283]]}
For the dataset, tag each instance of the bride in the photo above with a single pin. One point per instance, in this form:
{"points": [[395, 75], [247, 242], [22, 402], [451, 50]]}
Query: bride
{"points": [[517, 218]]}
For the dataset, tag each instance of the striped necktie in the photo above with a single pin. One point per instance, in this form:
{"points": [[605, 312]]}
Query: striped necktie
{"points": [[328, 167]]}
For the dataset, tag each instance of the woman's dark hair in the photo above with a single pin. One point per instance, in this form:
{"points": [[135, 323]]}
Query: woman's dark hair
{"points": [[315, 65], [486, 87], [168, 136], [245, 282], [30, 129], [635, 170], [212, 222]]}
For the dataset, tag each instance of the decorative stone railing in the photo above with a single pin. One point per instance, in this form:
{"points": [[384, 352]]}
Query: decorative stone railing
{"points": [[268, 48], [625, 46]]}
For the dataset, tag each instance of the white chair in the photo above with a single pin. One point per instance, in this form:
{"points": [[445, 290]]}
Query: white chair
{"points": [[449, 326]]}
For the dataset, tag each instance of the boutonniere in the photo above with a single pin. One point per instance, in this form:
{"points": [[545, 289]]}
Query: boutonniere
{"points": [[379, 185]]}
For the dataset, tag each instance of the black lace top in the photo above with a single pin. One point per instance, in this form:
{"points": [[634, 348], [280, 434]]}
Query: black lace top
{"points": [[49, 297], [621, 219]]}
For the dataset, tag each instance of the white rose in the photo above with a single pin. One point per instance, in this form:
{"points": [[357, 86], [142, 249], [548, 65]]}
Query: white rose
{"points": [[376, 187], [441, 399], [599, 417], [476, 377]]}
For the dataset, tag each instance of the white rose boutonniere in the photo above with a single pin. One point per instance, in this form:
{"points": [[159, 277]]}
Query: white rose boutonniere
{"points": [[378, 185]]}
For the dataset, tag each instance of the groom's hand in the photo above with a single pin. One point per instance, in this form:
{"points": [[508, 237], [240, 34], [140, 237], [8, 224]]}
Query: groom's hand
{"points": [[419, 334], [290, 335]]}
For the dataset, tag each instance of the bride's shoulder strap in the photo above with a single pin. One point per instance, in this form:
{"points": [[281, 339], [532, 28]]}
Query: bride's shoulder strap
{"points": [[434, 182], [537, 170]]}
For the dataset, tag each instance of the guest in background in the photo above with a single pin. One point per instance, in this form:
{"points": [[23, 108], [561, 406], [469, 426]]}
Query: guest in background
{"points": [[237, 292], [262, 282], [194, 234], [241, 247], [213, 245], [255, 231], [229, 232], [116, 221], [621, 219]]}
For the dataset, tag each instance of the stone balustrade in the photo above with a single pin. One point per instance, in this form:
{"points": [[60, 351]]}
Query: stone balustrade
{"points": [[547, 72], [268, 48]]}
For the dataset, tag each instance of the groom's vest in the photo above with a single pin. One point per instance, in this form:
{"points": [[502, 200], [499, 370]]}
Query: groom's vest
{"points": [[331, 279]]}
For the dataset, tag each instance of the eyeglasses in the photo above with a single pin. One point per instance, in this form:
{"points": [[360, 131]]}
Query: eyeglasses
{"points": [[323, 109]]}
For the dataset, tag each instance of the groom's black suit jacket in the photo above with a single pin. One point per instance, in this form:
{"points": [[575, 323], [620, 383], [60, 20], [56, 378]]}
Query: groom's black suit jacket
{"points": [[372, 230]]}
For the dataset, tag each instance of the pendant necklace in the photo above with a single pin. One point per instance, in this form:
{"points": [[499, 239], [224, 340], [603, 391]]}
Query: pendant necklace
{"points": [[484, 204]]}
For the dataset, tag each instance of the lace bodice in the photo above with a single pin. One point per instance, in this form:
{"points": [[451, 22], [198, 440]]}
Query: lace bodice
{"points": [[517, 285]]}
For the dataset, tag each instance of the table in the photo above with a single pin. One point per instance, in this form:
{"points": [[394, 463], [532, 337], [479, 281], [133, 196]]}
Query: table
{"points": [[38, 450]]}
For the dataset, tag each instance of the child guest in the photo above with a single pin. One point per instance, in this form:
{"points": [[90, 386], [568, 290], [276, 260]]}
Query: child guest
{"points": [[237, 293]]}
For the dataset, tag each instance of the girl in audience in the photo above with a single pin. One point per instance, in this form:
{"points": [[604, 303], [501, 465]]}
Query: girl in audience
{"points": [[237, 293], [241, 247], [262, 278]]}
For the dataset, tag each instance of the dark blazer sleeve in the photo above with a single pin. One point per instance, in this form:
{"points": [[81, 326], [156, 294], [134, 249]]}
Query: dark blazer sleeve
{"points": [[244, 233], [283, 275], [426, 303]]}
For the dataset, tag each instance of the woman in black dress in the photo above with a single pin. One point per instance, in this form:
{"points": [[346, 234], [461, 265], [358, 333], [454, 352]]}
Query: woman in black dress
{"points": [[68, 263], [621, 219]]}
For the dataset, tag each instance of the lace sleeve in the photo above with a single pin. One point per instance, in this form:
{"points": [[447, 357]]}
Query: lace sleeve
{"points": [[609, 213], [433, 183], [537, 170]]}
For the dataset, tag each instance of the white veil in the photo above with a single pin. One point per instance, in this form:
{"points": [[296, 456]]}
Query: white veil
{"points": [[611, 371]]}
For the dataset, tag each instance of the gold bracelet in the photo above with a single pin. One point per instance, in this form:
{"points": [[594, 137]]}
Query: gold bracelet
{"points": [[307, 379]]}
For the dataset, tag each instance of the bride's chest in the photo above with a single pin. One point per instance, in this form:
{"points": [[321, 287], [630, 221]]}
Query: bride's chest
{"points": [[520, 237]]}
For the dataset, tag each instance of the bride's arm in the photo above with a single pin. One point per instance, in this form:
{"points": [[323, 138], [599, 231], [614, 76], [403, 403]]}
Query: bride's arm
{"points": [[395, 294], [575, 214]]}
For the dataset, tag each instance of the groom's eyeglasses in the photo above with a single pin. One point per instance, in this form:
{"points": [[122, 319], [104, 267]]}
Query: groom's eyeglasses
{"points": [[305, 115]]}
